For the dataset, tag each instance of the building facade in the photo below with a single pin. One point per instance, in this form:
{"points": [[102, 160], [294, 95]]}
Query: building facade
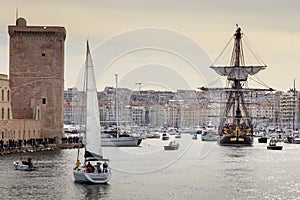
{"points": [[36, 73], [12, 130]]}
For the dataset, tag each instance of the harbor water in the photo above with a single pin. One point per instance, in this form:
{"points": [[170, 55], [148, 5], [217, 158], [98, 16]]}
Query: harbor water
{"points": [[198, 170]]}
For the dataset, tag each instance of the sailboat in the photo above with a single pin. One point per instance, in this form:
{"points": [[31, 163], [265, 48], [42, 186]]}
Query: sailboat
{"points": [[113, 138], [235, 128], [93, 147]]}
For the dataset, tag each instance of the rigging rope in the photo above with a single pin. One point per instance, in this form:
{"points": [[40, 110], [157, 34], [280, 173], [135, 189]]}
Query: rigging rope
{"points": [[223, 50], [256, 56]]}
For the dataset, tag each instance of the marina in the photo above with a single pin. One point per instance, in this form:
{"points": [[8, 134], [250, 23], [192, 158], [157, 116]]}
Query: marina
{"points": [[197, 167], [144, 112]]}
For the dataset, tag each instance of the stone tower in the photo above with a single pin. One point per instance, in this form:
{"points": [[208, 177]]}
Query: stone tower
{"points": [[36, 73]]}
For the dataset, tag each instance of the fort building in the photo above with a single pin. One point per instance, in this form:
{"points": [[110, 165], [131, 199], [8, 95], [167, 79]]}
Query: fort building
{"points": [[36, 79]]}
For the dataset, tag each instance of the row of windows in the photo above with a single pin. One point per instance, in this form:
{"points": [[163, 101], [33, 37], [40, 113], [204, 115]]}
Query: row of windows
{"points": [[3, 113], [3, 95]]}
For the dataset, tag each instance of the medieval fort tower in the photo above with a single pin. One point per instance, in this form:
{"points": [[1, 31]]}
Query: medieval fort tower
{"points": [[36, 74]]}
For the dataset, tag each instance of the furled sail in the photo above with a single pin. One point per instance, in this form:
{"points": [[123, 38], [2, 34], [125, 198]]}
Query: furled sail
{"points": [[237, 73]]}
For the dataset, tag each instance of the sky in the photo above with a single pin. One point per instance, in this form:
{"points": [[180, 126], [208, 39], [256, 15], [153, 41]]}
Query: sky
{"points": [[164, 44]]}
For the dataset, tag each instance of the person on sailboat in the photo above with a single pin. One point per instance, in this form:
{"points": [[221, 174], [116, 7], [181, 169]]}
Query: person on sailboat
{"points": [[90, 168], [78, 163], [98, 167], [105, 166]]}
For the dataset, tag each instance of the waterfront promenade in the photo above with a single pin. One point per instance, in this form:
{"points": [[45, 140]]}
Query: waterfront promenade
{"points": [[49, 147]]}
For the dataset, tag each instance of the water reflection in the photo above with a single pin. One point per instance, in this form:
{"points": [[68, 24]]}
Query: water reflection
{"points": [[91, 191]]}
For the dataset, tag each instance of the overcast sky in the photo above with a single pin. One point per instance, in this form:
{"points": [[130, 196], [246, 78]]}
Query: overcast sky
{"points": [[163, 43]]}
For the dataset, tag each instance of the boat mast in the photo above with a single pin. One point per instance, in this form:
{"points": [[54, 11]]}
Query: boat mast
{"points": [[116, 105], [85, 93], [294, 106], [237, 84]]}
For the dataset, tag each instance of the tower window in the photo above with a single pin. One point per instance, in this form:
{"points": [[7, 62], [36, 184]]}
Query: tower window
{"points": [[44, 101], [43, 54]]}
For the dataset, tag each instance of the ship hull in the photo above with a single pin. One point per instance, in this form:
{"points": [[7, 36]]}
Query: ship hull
{"points": [[233, 140], [121, 142]]}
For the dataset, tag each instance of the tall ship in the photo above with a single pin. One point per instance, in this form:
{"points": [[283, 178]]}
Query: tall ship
{"points": [[235, 127]]}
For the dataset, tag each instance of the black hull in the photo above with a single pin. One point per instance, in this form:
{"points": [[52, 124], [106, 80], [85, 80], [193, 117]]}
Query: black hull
{"points": [[274, 147], [263, 140], [232, 140]]}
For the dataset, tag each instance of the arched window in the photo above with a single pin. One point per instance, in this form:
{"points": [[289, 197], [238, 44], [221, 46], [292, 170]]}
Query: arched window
{"points": [[8, 113], [2, 113], [7, 95], [2, 95]]}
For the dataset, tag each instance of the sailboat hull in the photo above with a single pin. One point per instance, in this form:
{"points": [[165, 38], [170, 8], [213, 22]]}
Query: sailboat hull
{"points": [[233, 140], [81, 176]]}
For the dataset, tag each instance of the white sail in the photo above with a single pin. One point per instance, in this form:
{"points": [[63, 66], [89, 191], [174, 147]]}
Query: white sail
{"points": [[93, 136]]}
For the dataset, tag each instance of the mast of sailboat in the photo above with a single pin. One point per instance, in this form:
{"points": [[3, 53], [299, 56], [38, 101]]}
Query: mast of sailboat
{"points": [[84, 100], [294, 106], [116, 105], [86, 90]]}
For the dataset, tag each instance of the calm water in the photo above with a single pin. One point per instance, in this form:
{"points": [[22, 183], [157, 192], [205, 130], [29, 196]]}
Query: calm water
{"points": [[198, 170]]}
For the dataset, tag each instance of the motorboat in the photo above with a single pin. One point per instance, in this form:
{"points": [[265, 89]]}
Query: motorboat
{"points": [[194, 137], [209, 133], [263, 139], [273, 146], [173, 145], [25, 165], [178, 135], [153, 135], [165, 136]]}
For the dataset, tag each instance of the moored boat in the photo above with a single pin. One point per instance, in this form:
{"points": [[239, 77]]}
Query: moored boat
{"points": [[194, 137], [263, 139], [108, 140], [178, 135], [173, 145], [272, 145], [209, 133], [165, 136]]}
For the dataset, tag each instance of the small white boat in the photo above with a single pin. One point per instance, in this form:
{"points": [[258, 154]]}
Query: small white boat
{"points": [[153, 135], [178, 135], [296, 140], [173, 145], [24, 166], [209, 133], [165, 136], [194, 137], [273, 146]]}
